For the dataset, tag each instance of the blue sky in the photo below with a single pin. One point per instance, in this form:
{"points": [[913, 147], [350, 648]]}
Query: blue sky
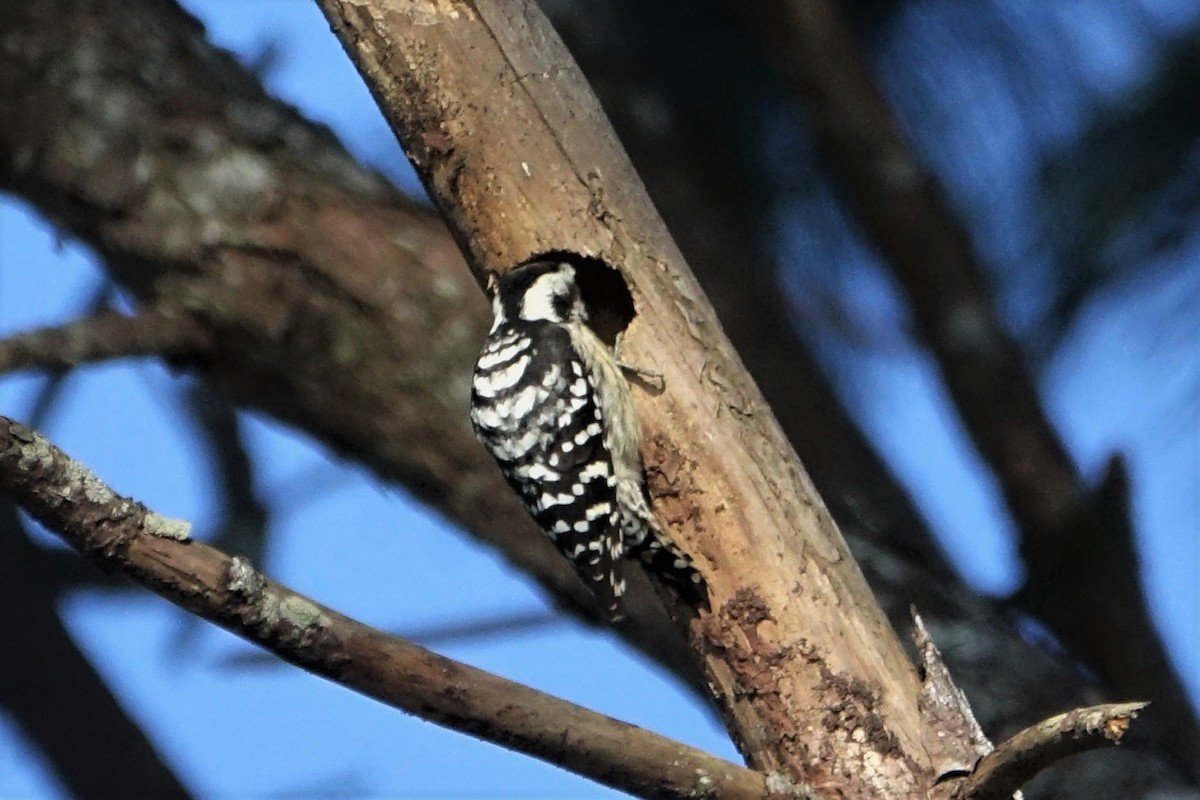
{"points": [[270, 729]]}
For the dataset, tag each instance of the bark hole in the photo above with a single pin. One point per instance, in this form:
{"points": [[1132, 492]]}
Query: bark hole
{"points": [[605, 293]]}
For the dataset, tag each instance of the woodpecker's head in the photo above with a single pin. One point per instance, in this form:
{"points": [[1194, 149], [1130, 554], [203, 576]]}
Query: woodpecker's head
{"points": [[541, 291]]}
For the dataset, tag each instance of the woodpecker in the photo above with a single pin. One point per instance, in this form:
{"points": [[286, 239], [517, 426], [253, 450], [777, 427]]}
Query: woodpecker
{"points": [[549, 401]]}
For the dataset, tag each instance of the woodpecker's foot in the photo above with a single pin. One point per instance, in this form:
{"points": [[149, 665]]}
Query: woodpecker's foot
{"points": [[645, 373]]}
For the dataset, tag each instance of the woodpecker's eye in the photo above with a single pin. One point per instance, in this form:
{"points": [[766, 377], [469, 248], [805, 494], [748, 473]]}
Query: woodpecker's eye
{"points": [[562, 305]]}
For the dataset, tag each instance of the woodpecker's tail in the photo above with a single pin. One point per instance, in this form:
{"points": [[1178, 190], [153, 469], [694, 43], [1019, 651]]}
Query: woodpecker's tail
{"points": [[602, 568]]}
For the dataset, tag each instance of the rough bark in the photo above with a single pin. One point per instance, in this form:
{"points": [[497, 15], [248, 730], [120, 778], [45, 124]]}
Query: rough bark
{"points": [[518, 156], [721, 224]]}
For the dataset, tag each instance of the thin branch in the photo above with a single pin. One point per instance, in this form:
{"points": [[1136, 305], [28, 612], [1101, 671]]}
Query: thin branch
{"points": [[57, 379], [123, 536], [1077, 543], [456, 632], [1000, 773], [104, 336]]}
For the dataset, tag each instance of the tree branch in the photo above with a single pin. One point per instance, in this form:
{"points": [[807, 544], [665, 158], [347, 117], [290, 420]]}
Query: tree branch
{"points": [[514, 149], [106, 335], [1078, 545], [123, 536], [1000, 773]]}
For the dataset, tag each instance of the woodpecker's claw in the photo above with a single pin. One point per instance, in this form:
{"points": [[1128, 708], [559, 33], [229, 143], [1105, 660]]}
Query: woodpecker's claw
{"points": [[642, 372]]}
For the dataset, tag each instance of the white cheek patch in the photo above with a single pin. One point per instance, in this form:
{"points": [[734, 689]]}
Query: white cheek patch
{"points": [[538, 302], [497, 313]]}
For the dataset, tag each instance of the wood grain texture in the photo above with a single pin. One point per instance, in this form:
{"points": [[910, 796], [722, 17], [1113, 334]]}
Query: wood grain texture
{"points": [[513, 148]]}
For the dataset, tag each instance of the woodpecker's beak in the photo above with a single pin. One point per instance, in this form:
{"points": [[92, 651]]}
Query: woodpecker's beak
{"points": [[491, 283]]}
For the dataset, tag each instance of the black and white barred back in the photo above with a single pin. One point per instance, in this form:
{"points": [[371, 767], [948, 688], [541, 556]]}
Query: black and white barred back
{"points": [[549, 402]]}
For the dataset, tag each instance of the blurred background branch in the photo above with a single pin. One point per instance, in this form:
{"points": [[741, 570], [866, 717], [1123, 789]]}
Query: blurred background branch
{"points": [[1082, 575]]}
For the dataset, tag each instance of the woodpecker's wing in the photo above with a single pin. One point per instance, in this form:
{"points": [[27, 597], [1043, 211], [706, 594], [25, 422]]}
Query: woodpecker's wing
{"points": [[642, 537], [534, 408]]}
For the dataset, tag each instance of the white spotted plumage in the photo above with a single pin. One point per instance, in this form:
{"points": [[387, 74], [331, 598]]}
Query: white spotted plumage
{"points": [[550, 403]]}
